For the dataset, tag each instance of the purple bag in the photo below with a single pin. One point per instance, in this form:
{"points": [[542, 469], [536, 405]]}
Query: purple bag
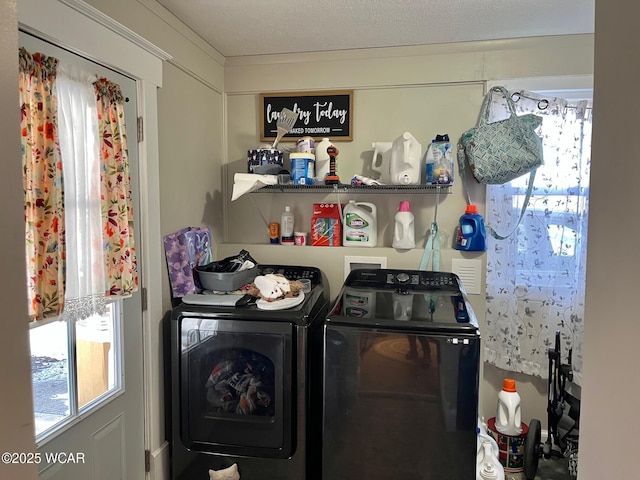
{"points": [[185, 250]]}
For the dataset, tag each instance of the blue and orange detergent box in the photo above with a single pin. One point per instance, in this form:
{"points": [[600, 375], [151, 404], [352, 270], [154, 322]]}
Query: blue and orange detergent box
{"points": [[439, 161], [326, 225]]}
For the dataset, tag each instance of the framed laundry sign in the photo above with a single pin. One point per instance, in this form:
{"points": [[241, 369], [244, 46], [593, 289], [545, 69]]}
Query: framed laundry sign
{"points": [[320, 114]]}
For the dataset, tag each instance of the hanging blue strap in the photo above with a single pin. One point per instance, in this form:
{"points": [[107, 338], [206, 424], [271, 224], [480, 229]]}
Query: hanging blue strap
{"points": [[432, 246], [525, 204]]}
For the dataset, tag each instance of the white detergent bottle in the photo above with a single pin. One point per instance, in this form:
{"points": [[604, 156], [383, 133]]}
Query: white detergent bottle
{"points": [[404, 230], [508, 416], [488, 467], [359, 225], [406, 158]]}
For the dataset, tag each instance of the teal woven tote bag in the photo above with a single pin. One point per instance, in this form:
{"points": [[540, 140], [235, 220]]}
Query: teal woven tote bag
{"points": [[501, 151]]}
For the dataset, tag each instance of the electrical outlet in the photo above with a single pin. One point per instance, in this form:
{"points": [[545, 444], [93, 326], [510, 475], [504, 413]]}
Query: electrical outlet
{"points": [[353, 262]]}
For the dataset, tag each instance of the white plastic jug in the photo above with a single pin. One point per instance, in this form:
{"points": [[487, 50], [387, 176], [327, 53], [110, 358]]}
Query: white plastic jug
{"points": [[508, 416], [406, 158], [488, 467], [404, 230], [483, 434], [381, 161], [359, 224]]}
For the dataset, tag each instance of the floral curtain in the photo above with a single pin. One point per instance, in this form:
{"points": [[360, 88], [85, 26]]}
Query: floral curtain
{"points": [[43, 185], [536, 277], [73, 127], [121, 267]]}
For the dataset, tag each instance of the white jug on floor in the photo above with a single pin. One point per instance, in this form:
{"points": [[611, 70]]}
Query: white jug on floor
{"points": [[508, 416], [488, 467]]}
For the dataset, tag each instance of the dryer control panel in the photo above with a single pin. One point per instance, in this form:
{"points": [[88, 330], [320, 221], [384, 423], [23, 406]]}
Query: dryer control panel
{"points": [[293, 272]]}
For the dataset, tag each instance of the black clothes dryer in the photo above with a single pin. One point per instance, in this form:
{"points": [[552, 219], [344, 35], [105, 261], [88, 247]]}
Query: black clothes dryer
{"points": [[400, 380], [243, 383]]}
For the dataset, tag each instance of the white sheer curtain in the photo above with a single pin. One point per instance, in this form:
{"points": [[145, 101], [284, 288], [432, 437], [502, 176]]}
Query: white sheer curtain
{"points": [[78, 130], [536, 277]]}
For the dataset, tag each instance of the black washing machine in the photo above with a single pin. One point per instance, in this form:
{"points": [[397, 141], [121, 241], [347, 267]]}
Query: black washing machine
{"points": [[245, 385], [400, 378]]}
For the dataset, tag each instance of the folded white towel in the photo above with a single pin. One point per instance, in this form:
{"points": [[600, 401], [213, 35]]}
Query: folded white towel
{"points": [[249, 182]]}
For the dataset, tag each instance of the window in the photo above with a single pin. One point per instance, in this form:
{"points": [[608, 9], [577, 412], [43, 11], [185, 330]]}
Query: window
{"points": [[63, 388], [551, 233], [536, 277], [549, 237]]}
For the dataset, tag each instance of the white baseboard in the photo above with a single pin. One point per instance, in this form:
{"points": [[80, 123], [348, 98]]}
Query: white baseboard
{"points": [[159, 468]]}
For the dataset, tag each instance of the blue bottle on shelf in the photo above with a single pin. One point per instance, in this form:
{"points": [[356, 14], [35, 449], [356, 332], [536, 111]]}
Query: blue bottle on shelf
{"points": [[472, 235]]}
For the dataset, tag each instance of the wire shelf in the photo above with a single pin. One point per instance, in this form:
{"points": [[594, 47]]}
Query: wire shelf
{"points": [[347, 188]]}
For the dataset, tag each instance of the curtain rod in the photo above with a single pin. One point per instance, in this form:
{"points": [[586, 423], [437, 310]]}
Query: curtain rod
{"points": [[543, 104]]}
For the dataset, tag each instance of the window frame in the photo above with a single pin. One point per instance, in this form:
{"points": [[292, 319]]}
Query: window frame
{"points": [[76, 412]]}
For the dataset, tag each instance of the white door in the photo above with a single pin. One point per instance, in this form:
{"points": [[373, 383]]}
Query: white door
{"points": [[94, 429]]}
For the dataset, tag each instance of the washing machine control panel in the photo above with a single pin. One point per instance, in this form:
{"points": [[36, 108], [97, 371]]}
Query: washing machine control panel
{"points": [[403, 278], [439, 279], [411, 279]]}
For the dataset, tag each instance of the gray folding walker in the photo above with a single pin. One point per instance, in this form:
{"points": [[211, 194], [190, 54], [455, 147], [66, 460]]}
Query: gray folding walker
{"points": [[563, 417]]}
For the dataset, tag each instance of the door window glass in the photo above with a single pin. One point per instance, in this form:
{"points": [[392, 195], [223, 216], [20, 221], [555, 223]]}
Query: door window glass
{"points": [[62, 388]]}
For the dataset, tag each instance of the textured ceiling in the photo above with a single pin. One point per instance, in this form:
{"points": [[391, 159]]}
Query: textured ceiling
{"points": [[255, 27]]}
